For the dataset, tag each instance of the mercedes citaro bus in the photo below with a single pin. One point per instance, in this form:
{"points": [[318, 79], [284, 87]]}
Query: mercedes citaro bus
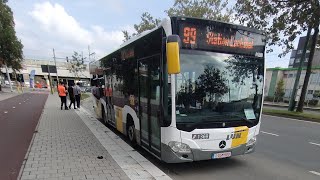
{"points": [[188, 90]]}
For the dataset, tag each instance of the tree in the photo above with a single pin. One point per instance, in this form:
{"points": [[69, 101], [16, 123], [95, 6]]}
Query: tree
{"points": [[147, 23], [76, 64], [279, 93], [208, 9], [11, 54], [212, 82], [283, 21], [126, 35]]}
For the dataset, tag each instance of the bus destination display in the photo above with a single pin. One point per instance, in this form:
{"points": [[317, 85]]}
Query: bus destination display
{"points": [[221, 38]]}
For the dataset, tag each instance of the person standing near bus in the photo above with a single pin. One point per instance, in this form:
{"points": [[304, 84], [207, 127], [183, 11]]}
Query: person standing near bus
{"points": [[71, 96], [77, 94], [63, 95]]}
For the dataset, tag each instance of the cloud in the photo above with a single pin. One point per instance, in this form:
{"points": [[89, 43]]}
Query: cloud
{"points": [[61, 29]]}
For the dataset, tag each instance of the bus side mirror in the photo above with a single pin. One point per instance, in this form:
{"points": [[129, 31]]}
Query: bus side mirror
{"points": [[173, 54]]}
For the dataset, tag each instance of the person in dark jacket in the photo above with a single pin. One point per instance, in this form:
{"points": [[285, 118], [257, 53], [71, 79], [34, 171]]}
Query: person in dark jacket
{"points": [[71, 96]]}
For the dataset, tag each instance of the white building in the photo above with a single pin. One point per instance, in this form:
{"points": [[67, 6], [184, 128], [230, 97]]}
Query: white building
{"points": [[63, 72]]}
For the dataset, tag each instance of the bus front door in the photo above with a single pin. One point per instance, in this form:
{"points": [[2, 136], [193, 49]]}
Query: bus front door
{"points": [[149, 103]]}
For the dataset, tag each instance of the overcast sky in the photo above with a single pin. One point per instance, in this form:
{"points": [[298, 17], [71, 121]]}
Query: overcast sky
{"points": [[71, 26]]}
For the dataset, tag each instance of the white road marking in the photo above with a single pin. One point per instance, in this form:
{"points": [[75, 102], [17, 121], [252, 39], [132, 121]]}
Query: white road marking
{"points": [[293, 119], [6, 112], [19, 103], [269, 133], [314, 172], [314, 143], [13, 107]]}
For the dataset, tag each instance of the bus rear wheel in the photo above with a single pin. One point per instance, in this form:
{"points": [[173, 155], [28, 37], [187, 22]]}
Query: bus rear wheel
{"points": [[131, 130]]}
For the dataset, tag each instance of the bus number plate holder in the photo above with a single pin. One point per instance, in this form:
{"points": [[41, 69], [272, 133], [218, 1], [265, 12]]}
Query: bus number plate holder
{"points": [[221, 155]]}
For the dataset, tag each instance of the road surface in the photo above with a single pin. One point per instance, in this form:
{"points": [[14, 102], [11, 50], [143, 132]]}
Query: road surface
{"points": [[287, 149], [19, 116]]}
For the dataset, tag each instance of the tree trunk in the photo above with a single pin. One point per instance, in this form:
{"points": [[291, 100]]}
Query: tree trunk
{"points": [[308, 71]]}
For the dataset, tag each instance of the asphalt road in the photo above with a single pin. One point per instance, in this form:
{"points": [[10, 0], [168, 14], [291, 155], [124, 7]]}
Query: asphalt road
{"points": [[19, 116], [287, 150]]}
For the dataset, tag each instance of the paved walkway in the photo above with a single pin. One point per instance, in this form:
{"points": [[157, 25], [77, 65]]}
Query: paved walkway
{"points": [[72, 144]]}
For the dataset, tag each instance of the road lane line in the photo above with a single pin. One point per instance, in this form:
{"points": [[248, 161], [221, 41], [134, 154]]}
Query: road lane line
{"points": [[314, 172], [314, 143], [269, 133], [19, 103], [6, 112]]}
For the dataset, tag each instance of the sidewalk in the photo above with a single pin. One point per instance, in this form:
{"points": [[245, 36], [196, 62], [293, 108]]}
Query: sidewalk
{"points": [[68, 144], [6, 93], [285, 105]]}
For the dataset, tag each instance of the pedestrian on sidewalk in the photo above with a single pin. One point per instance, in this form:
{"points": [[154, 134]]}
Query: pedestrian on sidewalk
{"points": [[63, 95], [77, 94], [71, 96]]}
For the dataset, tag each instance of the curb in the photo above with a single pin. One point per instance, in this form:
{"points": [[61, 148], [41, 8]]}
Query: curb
{"points": [[291, 117], [131, 162]]}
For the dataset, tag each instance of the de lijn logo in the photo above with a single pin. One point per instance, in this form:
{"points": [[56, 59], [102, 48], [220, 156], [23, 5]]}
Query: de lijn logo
{"points": [[235, 135]]}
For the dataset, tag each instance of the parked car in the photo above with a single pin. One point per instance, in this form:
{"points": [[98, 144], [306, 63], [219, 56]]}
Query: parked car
{"points": [[6, 82]]}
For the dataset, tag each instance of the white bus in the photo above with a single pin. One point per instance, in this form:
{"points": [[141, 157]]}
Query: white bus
{"points": [[188, 90]]}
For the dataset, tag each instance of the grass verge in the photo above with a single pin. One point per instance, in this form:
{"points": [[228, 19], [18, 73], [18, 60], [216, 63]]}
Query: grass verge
{"points": [[84, 96], [293, 115]]}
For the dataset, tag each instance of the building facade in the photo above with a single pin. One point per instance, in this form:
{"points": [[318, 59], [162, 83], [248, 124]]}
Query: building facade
{"points": [[296, 55], [274, 75], [41, 77]]}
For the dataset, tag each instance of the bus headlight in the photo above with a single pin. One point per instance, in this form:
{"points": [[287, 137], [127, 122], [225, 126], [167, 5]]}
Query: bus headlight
{"points": [[252, 141], [179, 147]]}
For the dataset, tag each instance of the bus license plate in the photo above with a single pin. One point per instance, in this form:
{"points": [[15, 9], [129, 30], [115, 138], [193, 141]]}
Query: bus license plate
{"points": [[221, 155]]}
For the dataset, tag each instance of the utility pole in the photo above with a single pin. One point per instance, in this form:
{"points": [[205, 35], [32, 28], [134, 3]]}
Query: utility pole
{"points": [[296, 82], [55, 63], [49, 78]]}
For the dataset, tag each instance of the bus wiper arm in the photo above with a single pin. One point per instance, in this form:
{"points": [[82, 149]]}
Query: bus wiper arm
{"points": [[242, 118]]}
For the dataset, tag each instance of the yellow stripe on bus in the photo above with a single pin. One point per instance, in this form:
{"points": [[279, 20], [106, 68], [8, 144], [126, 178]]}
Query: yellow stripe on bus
{"points": [[241, 135], [119, 123]]}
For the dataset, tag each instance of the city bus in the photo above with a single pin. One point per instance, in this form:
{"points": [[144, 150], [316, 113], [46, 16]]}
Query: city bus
{"points": [[188, 90]]}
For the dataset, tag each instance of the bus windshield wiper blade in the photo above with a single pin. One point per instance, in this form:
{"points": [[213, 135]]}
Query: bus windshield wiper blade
{"points": [[203, 120], [241, 117]]}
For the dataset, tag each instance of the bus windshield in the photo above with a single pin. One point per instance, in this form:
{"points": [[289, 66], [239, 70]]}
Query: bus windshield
{"points": [[218, 88]]}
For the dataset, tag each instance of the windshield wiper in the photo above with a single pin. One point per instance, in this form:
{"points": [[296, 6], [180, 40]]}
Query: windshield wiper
{"points": [[241, 117], [203, 120]]}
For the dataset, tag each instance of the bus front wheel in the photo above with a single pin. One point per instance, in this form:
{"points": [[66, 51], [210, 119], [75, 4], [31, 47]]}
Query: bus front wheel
{"points": [[131, 132]]}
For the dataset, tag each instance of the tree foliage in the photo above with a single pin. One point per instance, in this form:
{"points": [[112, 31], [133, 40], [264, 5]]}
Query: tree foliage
{"points": [[76, 64], [212, 82], [289, 19], [10, 46], [147, 22], [208, 9], [279, 93], [243, 67]]}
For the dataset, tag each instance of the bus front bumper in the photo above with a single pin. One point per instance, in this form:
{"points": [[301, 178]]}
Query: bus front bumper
{"points": [[169, 156]]}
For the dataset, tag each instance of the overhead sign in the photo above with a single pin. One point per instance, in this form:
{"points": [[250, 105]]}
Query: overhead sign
{"points": [[48, 68], [217, 36]]}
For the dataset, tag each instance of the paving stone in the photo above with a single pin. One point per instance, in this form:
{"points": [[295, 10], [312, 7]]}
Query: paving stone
{"points": [[65, 148]]}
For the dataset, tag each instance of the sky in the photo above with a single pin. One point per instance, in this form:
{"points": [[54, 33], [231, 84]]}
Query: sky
{"points": [[73, 25]]}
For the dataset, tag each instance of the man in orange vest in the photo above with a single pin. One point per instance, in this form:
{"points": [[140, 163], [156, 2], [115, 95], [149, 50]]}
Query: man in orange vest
{"points": [[63, 95]]}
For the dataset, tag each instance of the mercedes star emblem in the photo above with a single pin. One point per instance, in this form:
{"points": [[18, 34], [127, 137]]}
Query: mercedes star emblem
{"points": [[222, 144]]}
